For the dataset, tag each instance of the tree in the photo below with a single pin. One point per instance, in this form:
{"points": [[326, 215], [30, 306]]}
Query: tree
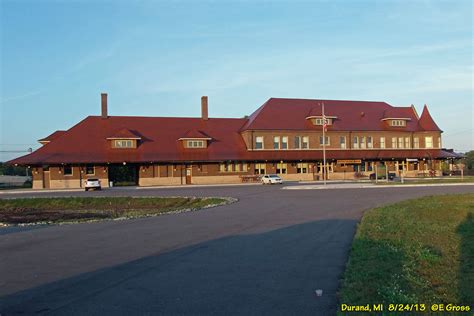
{"points": [[470, 160]]}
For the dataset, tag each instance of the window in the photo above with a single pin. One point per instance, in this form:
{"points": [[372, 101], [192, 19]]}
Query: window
{"points": [[362, 142], [90, 170], [305, 142], [439, 142], [284, 142], [416, 142], [382, 142], [302, 168], [398, 123], [320, 121], [342, 142], [356, 142], [276, 142], [67, 170], [196, 144], [225, 167], [407, 142], [123, 143], [394, 142], [297, 142], [260, 168], [321, 140], [244, 167], [281, 168], [400, 142], [237, 167], [259, 142], [428, 142]]}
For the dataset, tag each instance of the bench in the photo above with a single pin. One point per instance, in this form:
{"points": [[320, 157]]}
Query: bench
{"points": [[250, 178]]}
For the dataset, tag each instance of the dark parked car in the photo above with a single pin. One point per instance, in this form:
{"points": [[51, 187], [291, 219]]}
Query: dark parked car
{"points": [[391, 176]]}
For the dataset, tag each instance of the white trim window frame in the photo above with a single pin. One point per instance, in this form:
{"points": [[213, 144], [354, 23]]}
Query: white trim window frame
{"points": [[370, 143], [401, 141], [276, 142], [407, 142], [429, 142], [327, 140], [382, 142], [284, 142], [363, 142], [123, 143], [259, 142], [298, 142], [356, 142], [416, 142], [305, 142], [342, 142]]}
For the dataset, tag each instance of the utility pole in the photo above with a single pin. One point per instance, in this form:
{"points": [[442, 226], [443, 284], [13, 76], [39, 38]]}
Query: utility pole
{"points": [[324, 145]]}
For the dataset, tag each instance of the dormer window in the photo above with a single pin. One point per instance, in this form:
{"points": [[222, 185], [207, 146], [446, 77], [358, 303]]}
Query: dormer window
{"points": [[398, 123], [196, 144], [124, 139], [319, 121], [195, 139], [123, 143]]}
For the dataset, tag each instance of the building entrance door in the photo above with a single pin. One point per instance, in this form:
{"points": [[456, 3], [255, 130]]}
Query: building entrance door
{"points": [[46, 180], [188, 175]]}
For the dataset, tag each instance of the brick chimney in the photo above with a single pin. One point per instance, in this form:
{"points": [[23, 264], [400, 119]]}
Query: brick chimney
{"points": [[204, 110], [104, 114]]}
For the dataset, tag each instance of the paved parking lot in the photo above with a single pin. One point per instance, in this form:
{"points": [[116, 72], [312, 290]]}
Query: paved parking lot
{"points": [[265, 254]]}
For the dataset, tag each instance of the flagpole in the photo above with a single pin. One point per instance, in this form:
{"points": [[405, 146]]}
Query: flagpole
{"points": [[324, 146]]}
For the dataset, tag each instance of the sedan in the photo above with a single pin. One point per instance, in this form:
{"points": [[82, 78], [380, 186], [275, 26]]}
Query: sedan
{"points": [[92, 183], [271, 179]]}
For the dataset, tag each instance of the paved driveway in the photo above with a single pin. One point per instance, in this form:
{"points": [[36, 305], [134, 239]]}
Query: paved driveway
{"points": [[265, 254]]}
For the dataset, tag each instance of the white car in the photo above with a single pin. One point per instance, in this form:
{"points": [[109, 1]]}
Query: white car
{"points": [[92, 183], [271, 179]]}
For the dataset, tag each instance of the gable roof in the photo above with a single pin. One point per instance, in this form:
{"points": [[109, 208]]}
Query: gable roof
{"points": [[290, 114], [426, 122], [87, 141]]}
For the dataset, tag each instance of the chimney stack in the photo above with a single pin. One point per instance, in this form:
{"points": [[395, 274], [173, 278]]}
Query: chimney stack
{"points": [[104, 105], [204, 110]]}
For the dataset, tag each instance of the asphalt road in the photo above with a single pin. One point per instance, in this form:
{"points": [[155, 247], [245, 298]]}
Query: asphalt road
{"points": [[264, 255]]}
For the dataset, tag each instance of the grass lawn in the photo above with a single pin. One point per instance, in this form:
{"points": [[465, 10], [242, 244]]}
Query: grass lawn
{"points": [[59, 210], [467, 179], [416, 251]]}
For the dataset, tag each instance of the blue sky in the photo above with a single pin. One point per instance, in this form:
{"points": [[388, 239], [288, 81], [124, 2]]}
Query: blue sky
{"points": [[156, 58]]}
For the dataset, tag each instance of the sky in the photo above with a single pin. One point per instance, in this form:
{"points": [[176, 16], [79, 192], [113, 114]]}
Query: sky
{"points": [[157, 58]]}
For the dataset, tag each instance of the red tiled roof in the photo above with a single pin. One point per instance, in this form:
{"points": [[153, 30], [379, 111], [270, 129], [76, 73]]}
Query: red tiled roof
{"points": [[195, 134], [290, 114], [426, 122], [124, 133], [87, 141], [398, 113], [51, 137]]}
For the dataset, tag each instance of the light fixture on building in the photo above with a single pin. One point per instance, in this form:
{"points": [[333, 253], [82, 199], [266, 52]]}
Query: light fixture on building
{"points": [[124, 163]]}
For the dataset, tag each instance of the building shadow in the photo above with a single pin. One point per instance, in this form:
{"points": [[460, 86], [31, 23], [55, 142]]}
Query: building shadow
{"points": [[269, 273], [466, 268]]}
